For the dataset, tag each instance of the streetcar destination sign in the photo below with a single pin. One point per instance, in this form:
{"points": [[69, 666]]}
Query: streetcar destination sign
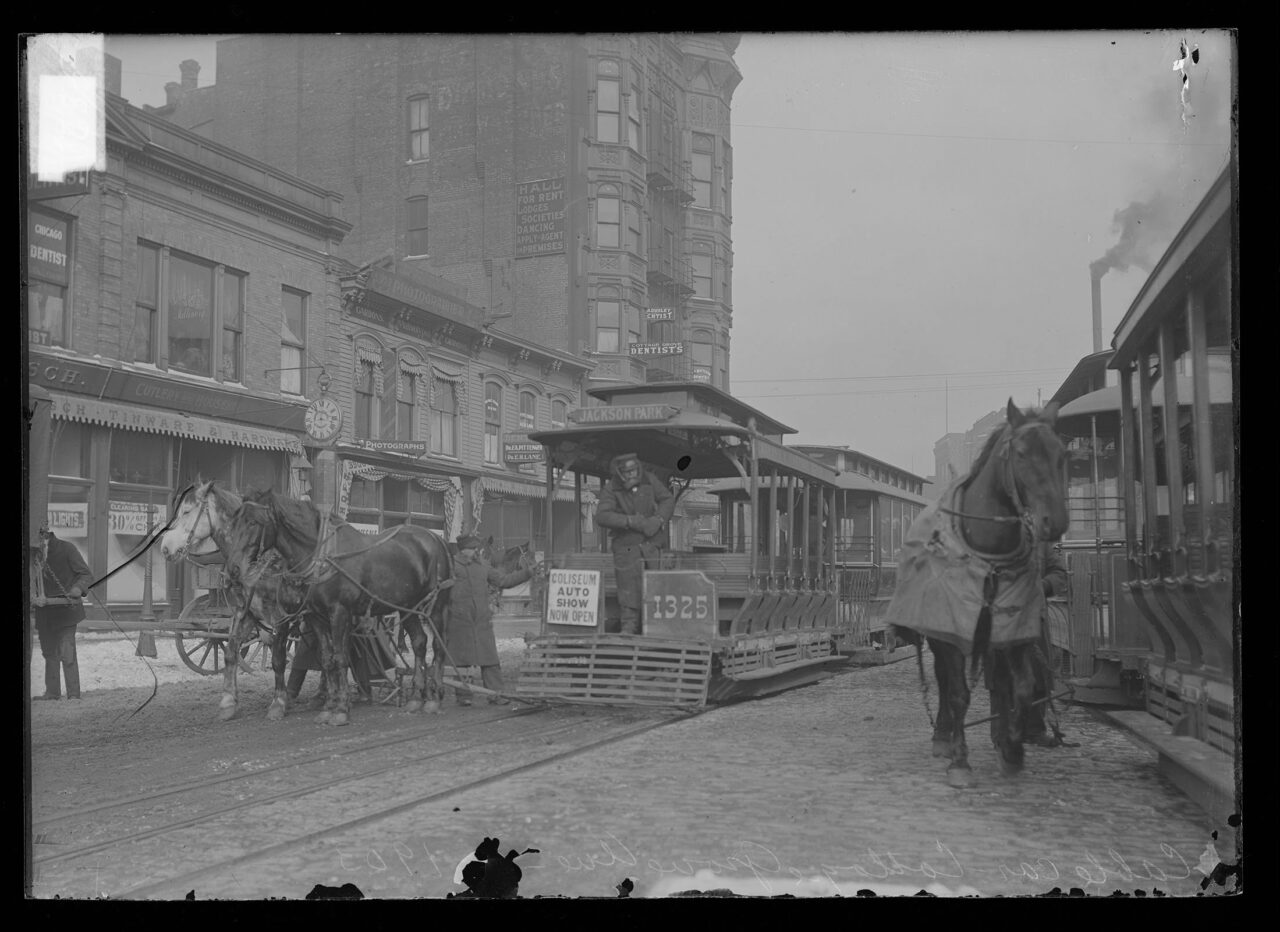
{"points": [[622, 414]]}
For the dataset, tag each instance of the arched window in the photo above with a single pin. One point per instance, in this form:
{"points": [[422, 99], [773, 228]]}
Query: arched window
{"points": [[528, 410], [364, 400], [492, 422], [444, 418]]}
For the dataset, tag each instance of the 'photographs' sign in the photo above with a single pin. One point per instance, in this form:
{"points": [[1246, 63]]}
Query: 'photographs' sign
{"points": [[412, 447], [573, 597], [539, 217]]}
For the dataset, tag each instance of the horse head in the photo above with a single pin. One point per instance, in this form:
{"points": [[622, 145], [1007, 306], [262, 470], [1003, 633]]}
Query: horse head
{"points": [[249, 533], [201, 514], [1037, 467]]}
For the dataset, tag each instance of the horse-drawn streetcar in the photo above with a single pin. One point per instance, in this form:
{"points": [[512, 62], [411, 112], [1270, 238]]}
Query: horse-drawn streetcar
{"points": [[753, 615]]}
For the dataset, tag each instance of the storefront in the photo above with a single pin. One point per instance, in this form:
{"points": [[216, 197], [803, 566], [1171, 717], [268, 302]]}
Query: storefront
{"points": [[379, 489], [116, 465]]}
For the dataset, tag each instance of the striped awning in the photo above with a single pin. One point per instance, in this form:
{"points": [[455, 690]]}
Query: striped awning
{"points": [[149, 420], [514, 487]]}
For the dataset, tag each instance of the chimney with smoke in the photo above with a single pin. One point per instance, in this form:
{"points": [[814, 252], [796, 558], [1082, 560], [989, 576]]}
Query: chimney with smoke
{"points": [[1140, 226], [1097, 273]]}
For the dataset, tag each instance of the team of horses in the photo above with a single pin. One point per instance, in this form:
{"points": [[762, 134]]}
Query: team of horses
{"points": [[289, 566], [288, 563]]}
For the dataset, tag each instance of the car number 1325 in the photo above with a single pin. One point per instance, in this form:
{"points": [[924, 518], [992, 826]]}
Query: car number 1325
{"points": [[682, 607]]}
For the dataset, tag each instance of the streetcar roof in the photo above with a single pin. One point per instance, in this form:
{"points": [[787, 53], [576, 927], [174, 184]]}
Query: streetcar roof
{"points": [[1107, 400], [845, 481], [692, 396]]}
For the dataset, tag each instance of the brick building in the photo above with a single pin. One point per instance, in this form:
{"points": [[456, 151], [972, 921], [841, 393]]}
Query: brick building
{"points": [[174, 302], [577, 187]]}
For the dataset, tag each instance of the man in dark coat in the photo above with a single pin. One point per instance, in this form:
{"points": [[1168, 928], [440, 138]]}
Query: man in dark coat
{"points": [[469, 637], [1053, 580], [637, 508], [66, 575]]}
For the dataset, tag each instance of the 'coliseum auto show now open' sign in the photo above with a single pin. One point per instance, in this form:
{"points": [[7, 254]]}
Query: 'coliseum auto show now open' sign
{"points": [[573, 597]]}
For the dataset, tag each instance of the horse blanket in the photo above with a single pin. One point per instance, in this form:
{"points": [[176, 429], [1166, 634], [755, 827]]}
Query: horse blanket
{"points": [[940, 589]]}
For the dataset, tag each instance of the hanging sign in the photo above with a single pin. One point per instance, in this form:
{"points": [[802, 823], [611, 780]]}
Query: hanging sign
{"points": [[518, 448], [412, 447], [656, 349]]}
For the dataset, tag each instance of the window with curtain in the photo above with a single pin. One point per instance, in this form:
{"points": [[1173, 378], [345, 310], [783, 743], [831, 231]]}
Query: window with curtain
{"points": [[492, 422], [232, 325], [190, 315], [419, 137], [417, 244], [444, 419], [141, 343], [608, 218], [292, 342], [364, 401], [607, 99], [528, 408]]}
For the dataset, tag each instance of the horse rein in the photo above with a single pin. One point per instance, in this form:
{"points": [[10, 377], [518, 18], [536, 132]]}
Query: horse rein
{"points": [[1010, 487]]}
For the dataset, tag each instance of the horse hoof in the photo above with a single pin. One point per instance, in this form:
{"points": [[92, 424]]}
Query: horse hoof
{"points": [[338, 718], [275, 712], [323, 717], [227, 713], [413, 705], [941, 748], [1011, 766], [432, 707], [959, 777]]}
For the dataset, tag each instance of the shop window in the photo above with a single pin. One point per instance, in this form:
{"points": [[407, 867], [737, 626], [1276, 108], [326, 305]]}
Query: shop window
{"points": [[426, 508], [492, 422], [395, 496], [140, 346], [70, 450], [138, 500], [528, 407], [608, 89], [419, 135], [139, 458], [292, 340], [232, 325], [190, 315], [364, 401], [417, 245], [444, 419], [260, 469], [49, 276]]}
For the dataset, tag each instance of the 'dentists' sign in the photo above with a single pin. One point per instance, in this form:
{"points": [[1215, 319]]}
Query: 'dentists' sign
{"points": [[627, 414], [573, 597]]}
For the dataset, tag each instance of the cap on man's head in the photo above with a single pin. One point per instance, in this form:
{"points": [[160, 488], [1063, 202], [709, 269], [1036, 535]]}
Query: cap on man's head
{"points": [[468, 542]]}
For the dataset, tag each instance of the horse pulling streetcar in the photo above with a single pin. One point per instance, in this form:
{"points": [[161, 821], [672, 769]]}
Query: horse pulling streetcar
{"points": [[756, 615]]}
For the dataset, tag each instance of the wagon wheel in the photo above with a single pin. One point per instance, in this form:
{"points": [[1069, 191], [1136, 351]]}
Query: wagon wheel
{"points": [[202, 648], [254, 656]]}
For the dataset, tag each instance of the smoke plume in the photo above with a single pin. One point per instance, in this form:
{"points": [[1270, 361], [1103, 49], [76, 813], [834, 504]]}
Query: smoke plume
{"points": [[1144, 228]]}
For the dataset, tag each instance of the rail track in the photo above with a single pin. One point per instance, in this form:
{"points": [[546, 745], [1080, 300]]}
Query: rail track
{"points": [[274, 831]]}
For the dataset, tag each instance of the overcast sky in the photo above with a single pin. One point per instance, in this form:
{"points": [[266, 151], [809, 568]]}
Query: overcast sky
{"points": [[914, 215]]}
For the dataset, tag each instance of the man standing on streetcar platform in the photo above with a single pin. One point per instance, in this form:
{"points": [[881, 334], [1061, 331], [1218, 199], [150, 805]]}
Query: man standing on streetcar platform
{"points": [[66, 575], [637, 508]]}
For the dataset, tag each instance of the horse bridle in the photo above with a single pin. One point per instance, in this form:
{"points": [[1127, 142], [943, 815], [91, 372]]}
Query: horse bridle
{"points": [[1010, 485]]}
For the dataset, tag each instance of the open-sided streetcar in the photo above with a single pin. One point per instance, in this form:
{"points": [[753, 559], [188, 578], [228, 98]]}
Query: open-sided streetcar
{"points": [[755, 614]]}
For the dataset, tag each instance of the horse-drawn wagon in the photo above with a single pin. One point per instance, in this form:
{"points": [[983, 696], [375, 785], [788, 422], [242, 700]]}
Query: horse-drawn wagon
{"points": [[756, 615]]}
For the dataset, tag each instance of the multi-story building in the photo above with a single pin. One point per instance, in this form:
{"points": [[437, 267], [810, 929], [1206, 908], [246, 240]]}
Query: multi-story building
{"points": [[578, 188], [954, 453], [176, 305]]}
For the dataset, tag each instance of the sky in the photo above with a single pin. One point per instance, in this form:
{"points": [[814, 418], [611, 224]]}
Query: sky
{"points": [[915, 214]]}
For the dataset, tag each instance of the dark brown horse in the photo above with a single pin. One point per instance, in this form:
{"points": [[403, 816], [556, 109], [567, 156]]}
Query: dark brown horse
{"points": [[344, 575], [969, 581]]}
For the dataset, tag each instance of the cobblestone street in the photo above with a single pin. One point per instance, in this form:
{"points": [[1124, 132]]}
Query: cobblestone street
{"points": [[825, 790]]}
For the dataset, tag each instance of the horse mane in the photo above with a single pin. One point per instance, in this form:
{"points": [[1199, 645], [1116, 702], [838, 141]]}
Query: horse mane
{"points": [[298, 519], [1031, 414], [227, 500]]}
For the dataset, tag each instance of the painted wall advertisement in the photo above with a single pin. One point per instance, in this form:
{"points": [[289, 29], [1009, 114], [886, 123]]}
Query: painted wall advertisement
{"points": [[573, 597], [539, 217]]}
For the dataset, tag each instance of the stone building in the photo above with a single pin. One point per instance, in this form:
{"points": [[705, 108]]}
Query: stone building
{"points": [[578, 187]]}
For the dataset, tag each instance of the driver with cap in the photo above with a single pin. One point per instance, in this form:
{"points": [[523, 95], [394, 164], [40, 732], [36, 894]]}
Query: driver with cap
{"points": [[636, 507]]}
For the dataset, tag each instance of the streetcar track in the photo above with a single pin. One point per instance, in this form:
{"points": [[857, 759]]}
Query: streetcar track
{"points": [[283, 765], [398, 808], [286, 794]]}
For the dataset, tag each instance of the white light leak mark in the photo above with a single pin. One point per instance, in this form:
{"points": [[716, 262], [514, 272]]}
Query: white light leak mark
{"points": [[1188, 58]]}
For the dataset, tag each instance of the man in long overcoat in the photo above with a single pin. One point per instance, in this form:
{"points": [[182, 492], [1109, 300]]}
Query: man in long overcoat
{"points": [[636, 507], [65, 575], [1053, 580], [469, 637]]}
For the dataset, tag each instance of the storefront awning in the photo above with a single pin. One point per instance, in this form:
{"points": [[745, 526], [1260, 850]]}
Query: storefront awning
{"points": [[132, 417], [531, 490]]}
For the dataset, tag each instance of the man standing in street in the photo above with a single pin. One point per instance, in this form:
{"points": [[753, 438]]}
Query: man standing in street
{"points": [[1053, 580], [66, 575], [468, 635], [636, 507]]}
